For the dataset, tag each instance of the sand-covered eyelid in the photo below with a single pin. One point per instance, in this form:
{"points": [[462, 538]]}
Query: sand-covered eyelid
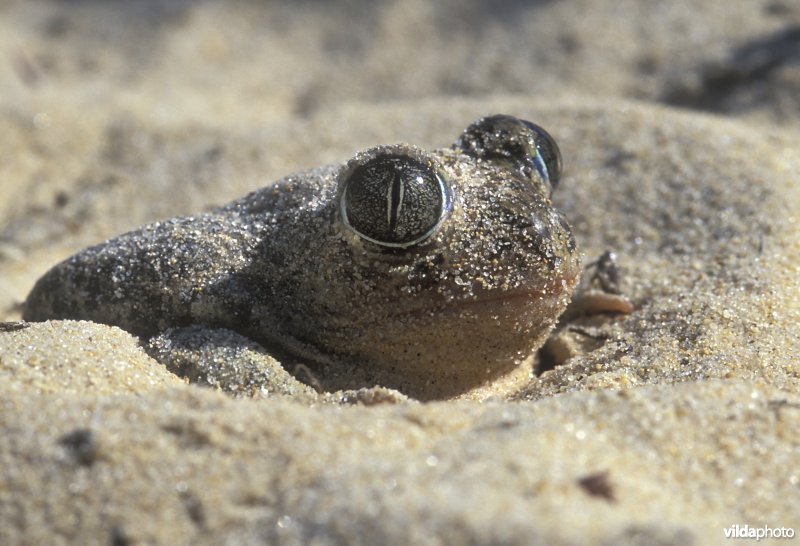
{"points": [[393, 196]]}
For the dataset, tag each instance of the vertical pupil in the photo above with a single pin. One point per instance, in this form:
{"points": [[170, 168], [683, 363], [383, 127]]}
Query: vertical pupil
{"points": [[395, 200]]}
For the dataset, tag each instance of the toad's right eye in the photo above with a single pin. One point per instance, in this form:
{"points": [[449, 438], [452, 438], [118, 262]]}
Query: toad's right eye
{"points": [[393, 200]]}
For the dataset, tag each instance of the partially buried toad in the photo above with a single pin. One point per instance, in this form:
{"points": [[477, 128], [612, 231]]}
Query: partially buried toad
{"points": [[437, 273]]}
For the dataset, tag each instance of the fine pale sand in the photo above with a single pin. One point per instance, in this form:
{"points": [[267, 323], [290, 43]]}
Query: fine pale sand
{"points": [[680, 423]]}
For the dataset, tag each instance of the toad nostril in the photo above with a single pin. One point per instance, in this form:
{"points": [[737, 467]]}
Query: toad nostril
{"points": [[535, 229]]}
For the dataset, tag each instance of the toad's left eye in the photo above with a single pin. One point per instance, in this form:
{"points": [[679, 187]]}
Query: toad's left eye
{"points": [[393, 199], [525, 145]]}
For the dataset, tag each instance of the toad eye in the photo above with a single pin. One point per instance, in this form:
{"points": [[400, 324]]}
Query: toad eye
{"points": [[526, 145], [394, 200]]}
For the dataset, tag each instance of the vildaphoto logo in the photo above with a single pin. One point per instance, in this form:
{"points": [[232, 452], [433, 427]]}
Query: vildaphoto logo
{"points": [[746, 531]]}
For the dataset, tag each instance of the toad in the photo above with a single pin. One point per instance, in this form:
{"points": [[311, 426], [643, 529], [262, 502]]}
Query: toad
{"points": [[436, 273]]}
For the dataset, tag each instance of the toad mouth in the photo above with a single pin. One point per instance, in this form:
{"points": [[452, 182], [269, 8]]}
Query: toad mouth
{"points": [[485, 302], [548, 296]]}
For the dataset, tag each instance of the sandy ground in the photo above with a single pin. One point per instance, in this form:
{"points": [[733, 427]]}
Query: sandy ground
{"points": [[679, 127]]}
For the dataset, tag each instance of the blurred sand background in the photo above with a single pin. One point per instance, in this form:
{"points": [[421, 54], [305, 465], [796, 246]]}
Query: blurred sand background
{"points": [[679, 123]]}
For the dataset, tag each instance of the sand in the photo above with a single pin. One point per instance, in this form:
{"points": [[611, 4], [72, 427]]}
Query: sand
{"points": [[680, 423]]}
